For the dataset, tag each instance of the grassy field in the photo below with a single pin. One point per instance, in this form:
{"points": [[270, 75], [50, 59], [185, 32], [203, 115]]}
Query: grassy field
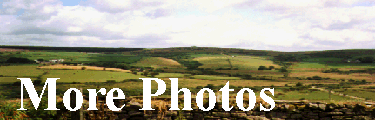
{"points": [[212, 77], [241, 62], [131, 84], [64, 75], [170, 75], [89, 76], [79, 57], [20, 71], [157, 62], [310, 95]]}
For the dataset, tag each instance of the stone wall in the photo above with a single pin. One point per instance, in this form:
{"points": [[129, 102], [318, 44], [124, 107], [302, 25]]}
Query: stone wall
{"points": [[283, 110]]}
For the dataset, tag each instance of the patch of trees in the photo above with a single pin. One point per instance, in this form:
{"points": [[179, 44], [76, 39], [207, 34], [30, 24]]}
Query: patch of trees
{"points": [[191, 65], [290, 57], [265, 68], [315, 78], [18, 60], [367, 59], [336, 70]]}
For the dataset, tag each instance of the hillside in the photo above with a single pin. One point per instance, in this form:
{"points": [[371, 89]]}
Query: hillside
{"points": [[70, 49], [241, 62], [157, 62]]}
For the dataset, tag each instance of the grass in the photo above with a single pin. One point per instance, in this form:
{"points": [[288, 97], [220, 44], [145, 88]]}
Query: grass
{"points": [[333, 65], [170, 75], [211, 77], [80, 57], [310, 95], [157, 62], [89, 76], [20, 71], [362, 93], [64, 75], [241, 62]]}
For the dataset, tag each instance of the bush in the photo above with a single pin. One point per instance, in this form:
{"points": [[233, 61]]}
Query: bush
{"points": [[111, 81], [299, 84], [40, 112], [335, 70], [271, 67], [37, 82], [283, 69], [326, 71], [211, 86], [83, 68], [159, 70], [262, 68], [18, 83], [199, 87], [145, 73], [153, 74], [134, 72], [18, 60], [317, 77], [246, 77], [235, 68], [8, 111]]}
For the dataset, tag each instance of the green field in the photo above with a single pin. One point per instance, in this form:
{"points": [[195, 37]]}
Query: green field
{"points": [[310, 95], [20, 71], [168, 60], [171, 75], [157, 62], [79, 57], [212, 77], [241, 62], [64, 75]]}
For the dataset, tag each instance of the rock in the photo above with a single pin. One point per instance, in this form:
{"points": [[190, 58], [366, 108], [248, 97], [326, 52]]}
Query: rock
{"points": [[223, 114], [239, 115], [334, 113], [296, 116], [135, 113], [322, 107]]}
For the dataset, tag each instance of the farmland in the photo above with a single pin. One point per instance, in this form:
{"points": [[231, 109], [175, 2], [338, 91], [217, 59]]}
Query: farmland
{"points": [[298, 79]]}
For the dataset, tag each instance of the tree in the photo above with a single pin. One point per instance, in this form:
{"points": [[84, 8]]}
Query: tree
{"points": [[153, 74], [18, 60], [284, 69], [299, 84], [271, 67], [368, 59], [262, 68], [145, 73], [191, 65], [40, 59]]}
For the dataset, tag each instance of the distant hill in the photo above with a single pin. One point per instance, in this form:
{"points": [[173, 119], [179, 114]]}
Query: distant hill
{"points": [[183, 51], [71, 49], [206, 50]]}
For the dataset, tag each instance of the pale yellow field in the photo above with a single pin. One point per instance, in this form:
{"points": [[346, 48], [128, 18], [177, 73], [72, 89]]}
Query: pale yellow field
{"points": [[60, 66], [158, 62], [242, 62]]}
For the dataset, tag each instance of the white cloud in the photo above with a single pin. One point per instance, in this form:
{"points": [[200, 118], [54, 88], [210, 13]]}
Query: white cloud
{"points": [[267, 24]]}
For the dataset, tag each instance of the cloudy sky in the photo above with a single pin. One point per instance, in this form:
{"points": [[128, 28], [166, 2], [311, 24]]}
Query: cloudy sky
{"points": [[283, 25]]}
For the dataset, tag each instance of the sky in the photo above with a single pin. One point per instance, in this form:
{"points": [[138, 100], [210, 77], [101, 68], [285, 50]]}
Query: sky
{"points": [[281, 25]]}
